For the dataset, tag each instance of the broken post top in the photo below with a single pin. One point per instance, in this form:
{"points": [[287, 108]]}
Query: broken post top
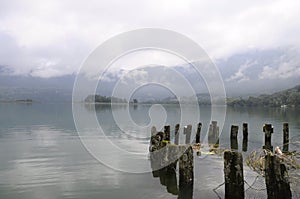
{"points": [[214, 122], [153, 131], [268, 128], [199, 125], [245, 126], [234, 128]]}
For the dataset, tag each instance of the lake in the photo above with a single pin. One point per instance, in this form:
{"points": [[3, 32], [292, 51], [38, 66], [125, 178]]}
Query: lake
{"points": [[42, 155]]}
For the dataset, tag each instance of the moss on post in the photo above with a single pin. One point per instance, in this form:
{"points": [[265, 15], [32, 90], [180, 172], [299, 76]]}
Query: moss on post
{"points": [[233, 174], [186, 173], [277, 183]]}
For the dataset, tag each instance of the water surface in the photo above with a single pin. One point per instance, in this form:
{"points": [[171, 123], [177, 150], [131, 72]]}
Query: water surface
{"points": [[43, 157]]}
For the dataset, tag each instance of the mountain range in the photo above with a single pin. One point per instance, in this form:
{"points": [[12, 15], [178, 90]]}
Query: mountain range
{"points": [[247, 74], [288, 97]]}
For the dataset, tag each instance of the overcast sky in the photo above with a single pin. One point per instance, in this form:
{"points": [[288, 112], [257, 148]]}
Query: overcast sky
{"points": [[52, 38]]}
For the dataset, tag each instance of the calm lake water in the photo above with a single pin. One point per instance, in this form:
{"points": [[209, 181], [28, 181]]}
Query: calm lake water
{"points": [[42, 156]]}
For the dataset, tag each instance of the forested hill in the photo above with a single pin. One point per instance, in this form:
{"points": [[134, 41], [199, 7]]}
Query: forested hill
{"points": [[103, 99], [289, 97]]}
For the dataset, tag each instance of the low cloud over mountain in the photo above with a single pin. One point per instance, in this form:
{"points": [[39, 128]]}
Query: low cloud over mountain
{"points": [[251, 73]]}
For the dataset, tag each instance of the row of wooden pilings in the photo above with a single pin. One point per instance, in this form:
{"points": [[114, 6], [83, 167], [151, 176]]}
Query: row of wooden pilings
{"points": [[164, 157]]}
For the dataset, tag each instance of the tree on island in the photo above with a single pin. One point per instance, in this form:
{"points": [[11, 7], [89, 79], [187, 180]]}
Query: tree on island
{"points": [[103, 99]]}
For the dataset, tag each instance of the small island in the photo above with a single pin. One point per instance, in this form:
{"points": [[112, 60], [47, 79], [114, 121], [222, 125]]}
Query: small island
{"points": [[27, 101], [99, 99]]}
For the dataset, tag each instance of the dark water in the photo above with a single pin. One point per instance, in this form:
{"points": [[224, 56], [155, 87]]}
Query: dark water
{"points": [[42, 156]]}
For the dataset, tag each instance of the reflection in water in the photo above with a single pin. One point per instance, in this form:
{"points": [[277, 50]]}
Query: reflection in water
{"points": [[42, 157], [166, 154], [168, 178]]}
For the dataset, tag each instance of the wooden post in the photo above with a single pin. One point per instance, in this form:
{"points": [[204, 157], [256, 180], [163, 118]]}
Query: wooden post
{"points": [[245, 136], [156, 142], [277, 183], [187, 131], [167, 170], [177, 134], [198, 133], [215, 130], [167, 133], [217, 137], [285, 137], [233, 137], [186, 174], [156, 156], [268, 130], [213, 134], [233, 174], [210, 135], [153, 131]]}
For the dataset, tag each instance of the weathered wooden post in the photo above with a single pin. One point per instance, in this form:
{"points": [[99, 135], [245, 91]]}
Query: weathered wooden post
{"points": [[233, 137], [233, 174], [156, 142], [186, 173], [167, 133], [156, 156], [210, 135], [277, 183], [198, 133], [187, 131], [153, 131], [268, 130], [285, 138], [213, 134], [163, 165], [217, 137], [245, 136], [177, 134], [215, 130]]}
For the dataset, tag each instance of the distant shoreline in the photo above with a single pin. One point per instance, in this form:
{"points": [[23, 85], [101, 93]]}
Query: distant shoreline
{"points": [[27, 101]]}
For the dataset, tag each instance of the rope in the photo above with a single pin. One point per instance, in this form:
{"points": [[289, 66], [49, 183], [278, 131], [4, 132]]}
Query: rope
{"points": [[214, 190], [251, 187]]}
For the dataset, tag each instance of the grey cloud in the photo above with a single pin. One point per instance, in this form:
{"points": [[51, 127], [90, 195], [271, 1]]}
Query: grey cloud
{"points": [[52, 38]]}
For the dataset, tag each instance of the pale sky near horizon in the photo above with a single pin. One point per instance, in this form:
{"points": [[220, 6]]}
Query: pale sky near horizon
{"points": [[52, 38]]}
